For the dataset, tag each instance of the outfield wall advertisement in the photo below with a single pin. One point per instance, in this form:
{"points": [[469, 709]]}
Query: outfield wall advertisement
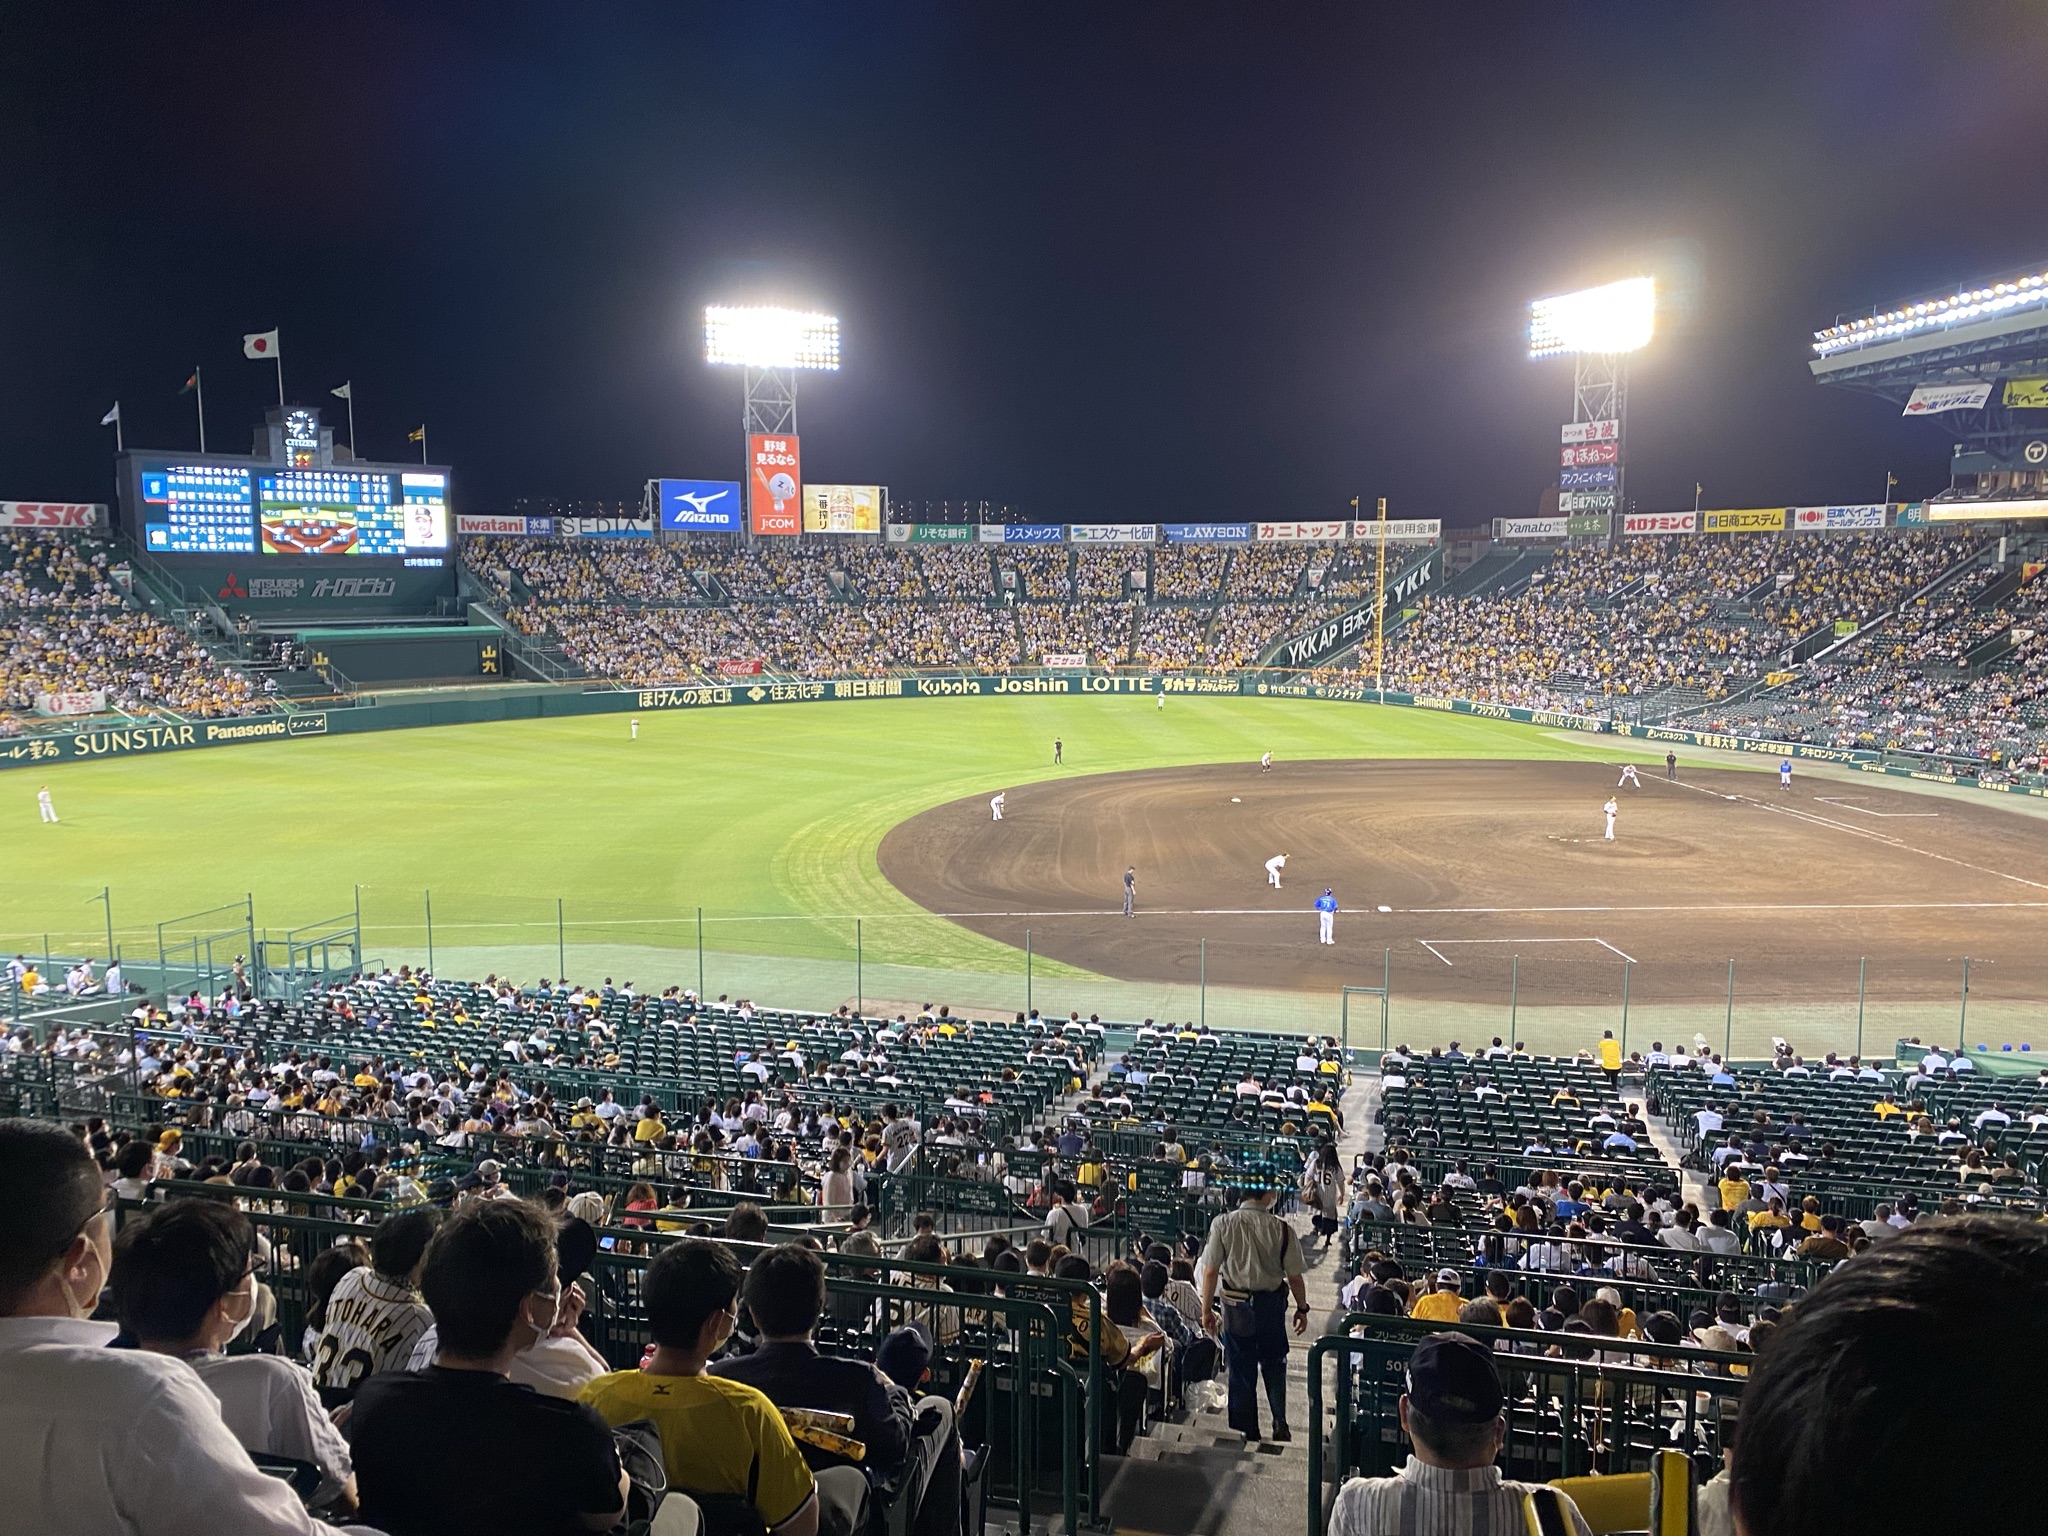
{"points": [[146, 740]]}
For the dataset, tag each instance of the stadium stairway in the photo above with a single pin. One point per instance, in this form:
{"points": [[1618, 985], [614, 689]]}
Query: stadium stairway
{"points": [[1198, 1477]]}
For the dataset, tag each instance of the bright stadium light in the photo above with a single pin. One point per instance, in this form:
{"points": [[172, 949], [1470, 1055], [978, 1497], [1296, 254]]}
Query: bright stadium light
{"points": [[771, 338], [2027, 292], [1609, 320]]}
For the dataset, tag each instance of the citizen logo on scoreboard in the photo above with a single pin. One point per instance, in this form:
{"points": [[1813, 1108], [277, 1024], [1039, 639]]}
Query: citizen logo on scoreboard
{"points": [[1592, 432], [1590, 453]]}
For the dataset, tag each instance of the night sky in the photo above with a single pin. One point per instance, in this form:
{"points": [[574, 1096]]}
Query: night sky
{"points": [[1093, 261]]}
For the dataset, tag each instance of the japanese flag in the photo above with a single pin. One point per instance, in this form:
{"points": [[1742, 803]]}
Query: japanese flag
{"points": [[260, 344]]}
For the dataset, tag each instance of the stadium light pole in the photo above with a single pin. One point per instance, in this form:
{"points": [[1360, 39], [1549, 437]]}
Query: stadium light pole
{"points": [[770, 346], [1598, 328]]}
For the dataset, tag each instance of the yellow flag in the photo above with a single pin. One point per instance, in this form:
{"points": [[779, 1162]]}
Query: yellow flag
{"points": [[2026, 394], [417, 434]]}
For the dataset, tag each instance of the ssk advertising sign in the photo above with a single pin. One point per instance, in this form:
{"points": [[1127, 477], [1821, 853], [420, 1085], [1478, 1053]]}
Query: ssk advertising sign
{"points": [[53, 514]]}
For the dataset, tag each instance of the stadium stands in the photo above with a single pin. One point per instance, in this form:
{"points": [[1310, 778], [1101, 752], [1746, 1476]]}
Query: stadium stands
{"points": [[69, 629], [1595, 1225]]}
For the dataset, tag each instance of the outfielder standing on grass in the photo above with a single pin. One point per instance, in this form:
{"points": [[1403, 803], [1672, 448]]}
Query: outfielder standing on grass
{"points": [[1326, 917], [1057, 747], [49, 811]]}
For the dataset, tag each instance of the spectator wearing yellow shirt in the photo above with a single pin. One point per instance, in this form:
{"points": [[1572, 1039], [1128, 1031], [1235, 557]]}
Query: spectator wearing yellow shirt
{"points": [[1772, 1215], [1443, 1304], [649, 1127], [723, 1442], [1884, 1108], [1734, 1190]]}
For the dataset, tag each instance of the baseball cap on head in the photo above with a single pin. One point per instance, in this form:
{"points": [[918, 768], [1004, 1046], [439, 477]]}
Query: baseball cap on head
{"points": [[1452, 1380], [1447, 1277]]}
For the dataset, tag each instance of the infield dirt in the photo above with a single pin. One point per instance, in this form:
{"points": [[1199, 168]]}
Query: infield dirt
{"points": [[1499, 879]]}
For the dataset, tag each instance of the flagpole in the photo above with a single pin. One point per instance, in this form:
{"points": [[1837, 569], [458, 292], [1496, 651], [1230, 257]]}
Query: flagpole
{"points": [[199, 390], [119, 446], [280, 374], [423, 442], [351, 398]]}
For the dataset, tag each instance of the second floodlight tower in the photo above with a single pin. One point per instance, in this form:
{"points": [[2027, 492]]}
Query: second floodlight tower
{"points": [[771, 347], [1599, 328]]}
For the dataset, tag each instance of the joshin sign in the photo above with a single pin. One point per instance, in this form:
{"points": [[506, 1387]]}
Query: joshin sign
{"points": [[774, 474]]}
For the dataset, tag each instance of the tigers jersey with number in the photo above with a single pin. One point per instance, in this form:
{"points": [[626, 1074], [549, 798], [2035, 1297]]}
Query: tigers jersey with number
{"points": [[372, 1325]]}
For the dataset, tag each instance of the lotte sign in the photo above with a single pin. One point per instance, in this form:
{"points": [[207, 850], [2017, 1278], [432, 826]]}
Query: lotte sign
{"points": [[774, 476]]}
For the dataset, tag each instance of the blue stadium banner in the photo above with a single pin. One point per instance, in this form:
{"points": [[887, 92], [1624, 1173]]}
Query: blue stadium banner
{"points": [[1207, 533], [1023, 533], [1594, 477], [708, 506]]}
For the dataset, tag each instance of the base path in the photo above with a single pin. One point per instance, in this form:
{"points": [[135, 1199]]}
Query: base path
{"points": [[1497, 876]]}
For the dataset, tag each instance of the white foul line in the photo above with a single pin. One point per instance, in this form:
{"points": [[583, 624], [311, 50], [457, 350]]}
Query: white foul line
{"points": [[1886, 815], [1865, 832], [1431, 945]]}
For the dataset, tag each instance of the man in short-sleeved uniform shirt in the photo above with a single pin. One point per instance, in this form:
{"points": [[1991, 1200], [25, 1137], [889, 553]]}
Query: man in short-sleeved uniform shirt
{"points": [[716, 1434]]}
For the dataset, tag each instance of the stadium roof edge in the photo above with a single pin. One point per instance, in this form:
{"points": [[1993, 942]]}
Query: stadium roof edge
{"points": [[1974, 344]]}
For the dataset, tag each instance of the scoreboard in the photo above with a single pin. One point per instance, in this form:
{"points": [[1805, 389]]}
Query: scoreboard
{"points": [[201, 507]]}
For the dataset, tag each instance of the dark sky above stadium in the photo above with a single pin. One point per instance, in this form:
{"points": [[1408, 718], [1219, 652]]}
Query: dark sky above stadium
{"points": [[1094, 261]]}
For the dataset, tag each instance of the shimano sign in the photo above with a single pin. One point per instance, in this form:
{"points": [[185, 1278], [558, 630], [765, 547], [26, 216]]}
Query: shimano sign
{"points": [[1347, 629]]}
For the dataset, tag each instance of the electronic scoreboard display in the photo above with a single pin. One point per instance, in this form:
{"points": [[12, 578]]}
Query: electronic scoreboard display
{"points": [[345, 509], [197, 509]]}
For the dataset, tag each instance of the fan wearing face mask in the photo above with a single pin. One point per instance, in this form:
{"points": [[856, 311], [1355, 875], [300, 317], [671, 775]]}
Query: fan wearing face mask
{"points": [[97, 1441], [184, 1284]]}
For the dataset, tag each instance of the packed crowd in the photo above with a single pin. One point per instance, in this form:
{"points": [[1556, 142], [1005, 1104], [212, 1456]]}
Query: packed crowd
{"points": [[66, 628]]}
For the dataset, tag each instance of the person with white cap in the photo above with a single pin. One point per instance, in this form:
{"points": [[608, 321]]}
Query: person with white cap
{"points": [[1442, 1304]]}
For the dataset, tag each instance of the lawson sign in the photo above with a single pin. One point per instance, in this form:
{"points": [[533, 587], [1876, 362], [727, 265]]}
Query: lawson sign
{"points": [[1207, 533]]}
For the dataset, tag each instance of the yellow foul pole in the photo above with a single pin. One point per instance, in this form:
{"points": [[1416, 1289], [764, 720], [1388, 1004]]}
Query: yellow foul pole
{"points": [[1379, 620]]}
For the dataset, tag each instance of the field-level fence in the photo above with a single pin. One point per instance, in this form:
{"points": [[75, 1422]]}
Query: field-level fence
{"points": [[1551, 995]]}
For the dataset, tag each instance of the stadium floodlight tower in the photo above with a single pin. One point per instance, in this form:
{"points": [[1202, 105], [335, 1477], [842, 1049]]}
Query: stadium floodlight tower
{"points": [[1598, 328], [770, 347]]}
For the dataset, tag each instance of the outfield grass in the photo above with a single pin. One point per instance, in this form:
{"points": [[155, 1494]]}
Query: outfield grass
{"points": [[766, 818]]}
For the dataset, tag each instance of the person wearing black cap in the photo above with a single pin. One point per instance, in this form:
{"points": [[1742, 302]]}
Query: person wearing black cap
{"points": [[1452, 1413]]}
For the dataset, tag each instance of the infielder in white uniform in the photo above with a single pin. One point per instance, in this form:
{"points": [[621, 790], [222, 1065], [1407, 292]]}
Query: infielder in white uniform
{"points": [[43, 804], [1266, 762], [1273, 867], [996, 806], [1610, 809], [1628, 776]]}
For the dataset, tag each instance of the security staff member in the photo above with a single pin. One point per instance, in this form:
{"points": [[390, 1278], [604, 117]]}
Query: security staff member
{"points": [[1254, 1258]]}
